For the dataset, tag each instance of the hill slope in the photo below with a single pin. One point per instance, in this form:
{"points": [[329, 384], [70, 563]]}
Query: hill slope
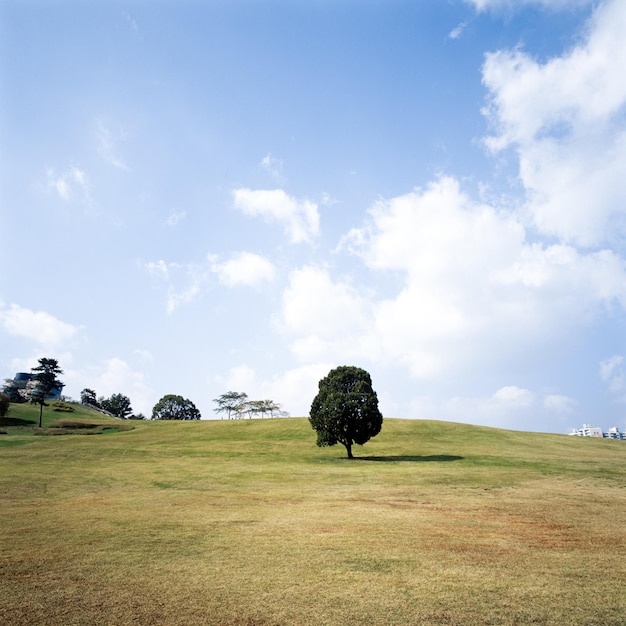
{"points": [[250, 523]]}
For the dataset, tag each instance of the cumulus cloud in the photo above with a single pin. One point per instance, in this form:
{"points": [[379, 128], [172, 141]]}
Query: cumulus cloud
{"points": [[37, 326], [244, 268], [513, 397], [323, 316], [472, 291], [115, 375], [293, 389], [300, 218], [565, 120]]}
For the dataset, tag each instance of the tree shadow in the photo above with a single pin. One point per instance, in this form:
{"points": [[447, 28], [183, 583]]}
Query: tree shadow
{"points": [[15, 421], [410, 458]]}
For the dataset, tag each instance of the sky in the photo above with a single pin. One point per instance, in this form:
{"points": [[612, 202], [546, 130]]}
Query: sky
{"points": [[198, 197]]}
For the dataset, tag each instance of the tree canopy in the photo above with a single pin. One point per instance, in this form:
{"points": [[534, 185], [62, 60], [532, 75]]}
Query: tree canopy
{"points": [[172, 407], [345, 410], [232, 403], [88, 396], [118, 404], [236, 404]]}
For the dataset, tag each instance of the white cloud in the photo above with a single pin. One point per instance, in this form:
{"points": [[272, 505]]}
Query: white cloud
{"points": [[500, 409], [328, 200], [241, 378], [559, 404], [159, 269], [293, 389], [184, 282], [107, 144], [473, 293], [513, 397], [130, 21], [176, 218], [70, 185], [144, 355], [299, 217], [37, 326], [115, 375], [565, 119], [324, 316], [555, 5], [612, 373], [457, 31], [273, 166], [244, 268]]}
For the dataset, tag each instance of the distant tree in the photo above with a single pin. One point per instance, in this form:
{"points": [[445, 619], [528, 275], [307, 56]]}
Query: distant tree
{"points": [[172, 407], [231, 403], [12, 389], [88, 396], [137, 416], [262, 408], [4, 404], [45, 382], [345, 409], [118, 404]]}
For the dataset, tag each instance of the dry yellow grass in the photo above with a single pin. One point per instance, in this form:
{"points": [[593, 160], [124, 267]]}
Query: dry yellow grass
{"points": [[248, 523]]}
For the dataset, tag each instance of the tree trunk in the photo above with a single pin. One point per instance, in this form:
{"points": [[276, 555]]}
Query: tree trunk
{"points": [[40, 412], [349, 450]]}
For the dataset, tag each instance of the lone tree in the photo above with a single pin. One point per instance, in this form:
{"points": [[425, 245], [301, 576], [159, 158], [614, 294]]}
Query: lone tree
{"points": [[118, 404], [231, 403], [173, 407], [46, 382], [345, 410], [88, 396]]}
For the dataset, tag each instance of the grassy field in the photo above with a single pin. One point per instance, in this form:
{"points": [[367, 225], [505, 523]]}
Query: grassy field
{"points": [[248, 523]]}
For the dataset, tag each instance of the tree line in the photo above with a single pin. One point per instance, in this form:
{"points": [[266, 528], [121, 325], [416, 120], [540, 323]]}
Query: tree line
{"points": [[236, 405], [45, 380], [345, 409], [117, 404]]}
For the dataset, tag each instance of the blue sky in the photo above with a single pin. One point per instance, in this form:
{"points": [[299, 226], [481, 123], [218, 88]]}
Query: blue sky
{"points": [[199, 197]]}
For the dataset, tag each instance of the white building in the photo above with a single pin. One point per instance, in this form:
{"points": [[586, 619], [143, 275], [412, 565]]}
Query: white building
{"points": [[614, 433], [589, 430]]}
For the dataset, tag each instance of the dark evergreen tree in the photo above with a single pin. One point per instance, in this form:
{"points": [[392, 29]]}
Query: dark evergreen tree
{"points": [[118, 405], [88, 396], [45, 382], [345, 409]]}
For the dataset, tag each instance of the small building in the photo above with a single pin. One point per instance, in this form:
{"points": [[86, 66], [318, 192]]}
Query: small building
{"points": [[588, 430], [20, 384], [614, 433]]}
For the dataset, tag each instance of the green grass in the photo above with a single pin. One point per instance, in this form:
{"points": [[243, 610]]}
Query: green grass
{"points": [[59, 418], [249, 523]]}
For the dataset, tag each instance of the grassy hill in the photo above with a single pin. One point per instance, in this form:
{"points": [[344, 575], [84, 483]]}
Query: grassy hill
{"points": [[249, 523]]}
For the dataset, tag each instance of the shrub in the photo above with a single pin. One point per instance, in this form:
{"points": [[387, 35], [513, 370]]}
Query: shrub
{"points": [[4, 404]]}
